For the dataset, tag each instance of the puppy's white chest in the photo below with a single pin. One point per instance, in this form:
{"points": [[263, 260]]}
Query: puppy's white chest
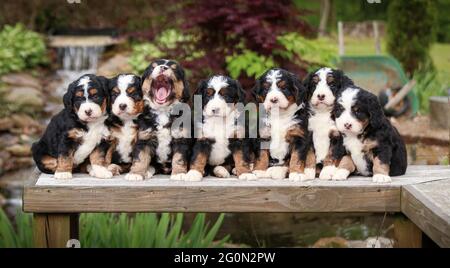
{"points": [[220, 130], [125, 140], [163, 150], [96, 131], [279, 147], [355, 147], [320, 124]]}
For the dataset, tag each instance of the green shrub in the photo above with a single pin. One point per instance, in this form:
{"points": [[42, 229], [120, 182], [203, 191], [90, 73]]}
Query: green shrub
{"points": [[411, 32], [248, 62], [143, 230], [20, 49], [428, 84], [316, 52]]}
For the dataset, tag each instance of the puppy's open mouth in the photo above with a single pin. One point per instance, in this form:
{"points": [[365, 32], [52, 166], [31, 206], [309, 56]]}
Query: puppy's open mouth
{"points": [[162, 87]]}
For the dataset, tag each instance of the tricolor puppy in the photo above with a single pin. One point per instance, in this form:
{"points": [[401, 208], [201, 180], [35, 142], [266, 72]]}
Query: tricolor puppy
{"points": [[164, 87], [283, 141], [78, 131], [323, 86], [374, 146], [127, 103], [222, 144]]}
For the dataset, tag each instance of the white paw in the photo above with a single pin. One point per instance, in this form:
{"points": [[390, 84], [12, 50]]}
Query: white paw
{"points": [[296, 177], [341, 174], [277, 173], [381, 178], [327, 172], [178, 177], [150, 172], [248, 176], [134, 177], [115, 169], [310, 173], [260, 173], [233, 172], [221, 172], [63, 175], [193, 175], [100, 172]]}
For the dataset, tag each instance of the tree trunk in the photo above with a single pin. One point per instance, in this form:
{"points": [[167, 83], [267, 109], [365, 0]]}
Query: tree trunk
{"points": [[325, 8]]}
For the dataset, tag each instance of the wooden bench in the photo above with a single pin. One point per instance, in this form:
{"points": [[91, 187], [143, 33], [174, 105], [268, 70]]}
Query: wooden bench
{"points": [[423, 195]]}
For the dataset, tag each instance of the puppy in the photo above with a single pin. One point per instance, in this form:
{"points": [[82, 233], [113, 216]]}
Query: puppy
{"points": [[323, 86], [77, 132], [164, 87], [223, 142], [283, 141], [127, 103], [373, 145]]}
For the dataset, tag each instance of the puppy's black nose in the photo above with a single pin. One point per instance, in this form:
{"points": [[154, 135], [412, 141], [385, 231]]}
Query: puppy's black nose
{"points": [[348, 126], [122, 106], [88, 112], [321, 97], [274, 100]]}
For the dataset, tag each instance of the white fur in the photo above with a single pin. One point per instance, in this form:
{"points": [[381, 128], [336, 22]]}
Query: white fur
{"points": [[134, 177], [380, 178], [274, 92], [310, 173], [221, 172], [260, 173], [322, 88], [296, 177], [248, 176], [277, 173], [193, 175], [100, 172], [347, 100], [88, 105], [63, 175], [327, 172], [125, 139], [341, 174], [150, 172], [355, 146], [96, 131], [279, 124], [320, 124], [123, 83], [163, 150], [217, 102], [178, 177]]}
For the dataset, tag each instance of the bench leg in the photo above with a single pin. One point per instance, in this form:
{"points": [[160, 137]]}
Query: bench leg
{"points": [[54, 230], [407, 234]]}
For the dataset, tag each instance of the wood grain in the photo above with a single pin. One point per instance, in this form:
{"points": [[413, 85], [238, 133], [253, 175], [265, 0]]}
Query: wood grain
{"points": [[406, 233], [54, 230]]}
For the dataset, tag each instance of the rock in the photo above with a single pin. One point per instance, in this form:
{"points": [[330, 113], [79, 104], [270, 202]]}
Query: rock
{"points": [[26, 124], [7, 140], [115, 65], [6, 124], [16, 163], [21, 80], [19, 150], [381, 242], [2, 200], [331, 242], [27, 97]]}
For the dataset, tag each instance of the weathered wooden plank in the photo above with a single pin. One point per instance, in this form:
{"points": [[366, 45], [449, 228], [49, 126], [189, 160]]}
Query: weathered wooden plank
{"points": [[54, 230], [406, 233], [428, 206]]}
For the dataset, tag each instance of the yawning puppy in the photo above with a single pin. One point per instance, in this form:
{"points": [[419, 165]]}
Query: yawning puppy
{"points": [[164, 87], [74, 133], [127, 104], [374, 145], [223, 144], [283, 142], [323, 86]]}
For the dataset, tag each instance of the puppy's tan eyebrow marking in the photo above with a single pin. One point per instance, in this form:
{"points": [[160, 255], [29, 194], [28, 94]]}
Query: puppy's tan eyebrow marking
{"points": [[154, 64], [131, 90], [281, 83], [222, 91], [173, 66], [116, 90], [93, 91], [316, 79], [79, 93], [330, 78]]}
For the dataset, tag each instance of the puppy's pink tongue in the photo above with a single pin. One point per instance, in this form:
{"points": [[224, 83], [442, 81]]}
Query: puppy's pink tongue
{"points": [[161, 95]]}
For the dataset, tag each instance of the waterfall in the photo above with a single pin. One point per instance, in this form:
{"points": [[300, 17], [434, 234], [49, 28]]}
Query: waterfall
{"points": [[76, 61]]}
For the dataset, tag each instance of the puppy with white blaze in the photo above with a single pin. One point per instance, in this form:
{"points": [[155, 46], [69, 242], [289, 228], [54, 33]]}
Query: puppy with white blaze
{"points": [[283, 140], [222, 145], [373, 145], [167, 149], [323, 86], [78, 132]]}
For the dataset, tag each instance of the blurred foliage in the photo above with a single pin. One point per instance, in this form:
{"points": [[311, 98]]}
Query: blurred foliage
{"points": [[104, 230], [20, 49], [142, 54], [409, 40], [316, 52], [443, 31], [249, 63], [429, 84]]}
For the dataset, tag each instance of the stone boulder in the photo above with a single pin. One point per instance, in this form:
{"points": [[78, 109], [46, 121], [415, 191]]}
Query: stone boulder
{"points": [[29, 98], [114, 66], [21, 80]]}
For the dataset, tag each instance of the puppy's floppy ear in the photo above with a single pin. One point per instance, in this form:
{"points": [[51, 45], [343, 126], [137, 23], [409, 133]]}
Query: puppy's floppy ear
{"points": [[201, 87], [105, 83], [342, 81], [186, 92], [309, 84], [256, 90], [67, 98], [376, 113], [300, 90], [146, 80], [240, 92]]}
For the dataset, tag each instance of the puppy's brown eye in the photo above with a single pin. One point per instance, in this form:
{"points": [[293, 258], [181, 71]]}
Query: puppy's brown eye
{"points": [[131, 90], [116, 90], [316, 79], [210, 92], [266, 85], [282, 84], [222, 91], [92, 91], [330, 79], [79, 93], [355, 109]]}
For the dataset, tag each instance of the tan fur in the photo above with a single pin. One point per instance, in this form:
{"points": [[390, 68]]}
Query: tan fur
{"points": [[240, 164], [296, 164], [310, 159], [178, 88], [347, 163], [199, 163], [294, 132], [75, 134], [141, 164], [97, 157], [379, 167], [146, 86], [65, 163], [49, 162], [262, 162], [369, 144], [138, 107], [178, 164], [92, 91]]}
